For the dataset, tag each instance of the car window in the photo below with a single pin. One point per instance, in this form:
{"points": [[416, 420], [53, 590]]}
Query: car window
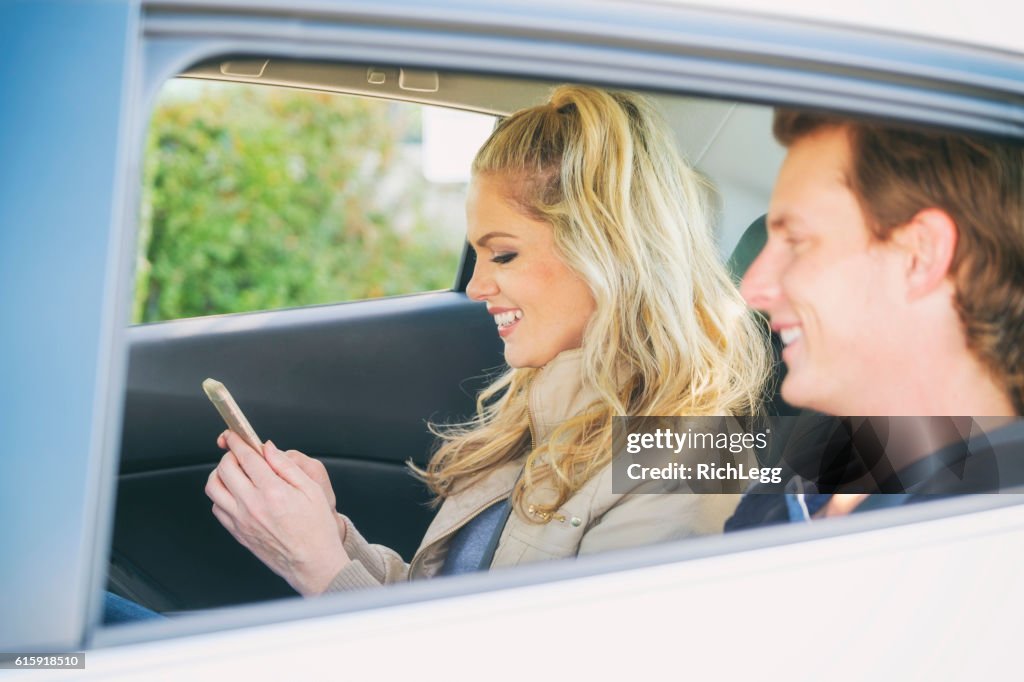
{"points": [[260, 198]]}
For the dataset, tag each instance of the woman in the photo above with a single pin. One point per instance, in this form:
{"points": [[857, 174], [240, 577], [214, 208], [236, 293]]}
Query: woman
{"points": [[595, 257]]}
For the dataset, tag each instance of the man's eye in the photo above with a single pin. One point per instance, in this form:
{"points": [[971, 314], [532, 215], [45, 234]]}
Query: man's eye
{"points": [[503, 257]]}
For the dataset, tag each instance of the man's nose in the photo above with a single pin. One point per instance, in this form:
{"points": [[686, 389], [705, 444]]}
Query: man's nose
{"points": [[760, 286], [481, 285]]}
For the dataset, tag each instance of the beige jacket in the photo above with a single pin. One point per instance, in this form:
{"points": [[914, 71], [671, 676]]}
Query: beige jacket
{"points": [[593, 520]]}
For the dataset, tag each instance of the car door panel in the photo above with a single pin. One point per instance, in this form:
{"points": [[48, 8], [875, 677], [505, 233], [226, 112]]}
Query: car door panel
{"points": [[351, 384]]}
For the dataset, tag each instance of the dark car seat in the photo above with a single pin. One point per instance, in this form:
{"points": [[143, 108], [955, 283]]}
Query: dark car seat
{"points": [[747, 248], [760, 510]]}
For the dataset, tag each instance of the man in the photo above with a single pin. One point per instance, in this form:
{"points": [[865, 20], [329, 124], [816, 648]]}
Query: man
{"points": [[894, 275]]}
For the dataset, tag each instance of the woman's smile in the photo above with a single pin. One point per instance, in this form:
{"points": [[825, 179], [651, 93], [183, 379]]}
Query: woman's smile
{"points": [[507, 319]]}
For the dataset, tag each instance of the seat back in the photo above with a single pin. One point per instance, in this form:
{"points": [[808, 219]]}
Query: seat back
{"points": [[747, 249]]}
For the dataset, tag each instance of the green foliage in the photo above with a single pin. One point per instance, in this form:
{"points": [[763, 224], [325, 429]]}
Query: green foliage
{"points": [[258, 198]]}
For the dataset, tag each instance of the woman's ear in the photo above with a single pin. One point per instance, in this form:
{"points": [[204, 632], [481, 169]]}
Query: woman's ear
{"points": [[929, 242]]}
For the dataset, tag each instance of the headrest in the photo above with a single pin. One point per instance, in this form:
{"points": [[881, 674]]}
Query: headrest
{"points": [[749, 245], [747, 248]]}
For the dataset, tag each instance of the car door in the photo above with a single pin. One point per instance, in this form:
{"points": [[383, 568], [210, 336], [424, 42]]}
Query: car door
{"points": [[73, 125], [353, 384], [63, 130]]}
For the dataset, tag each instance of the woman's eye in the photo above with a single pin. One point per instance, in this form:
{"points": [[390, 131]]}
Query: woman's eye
{"points": [[503, 257]]}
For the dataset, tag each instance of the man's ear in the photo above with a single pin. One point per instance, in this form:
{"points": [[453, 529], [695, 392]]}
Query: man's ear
{"points": [[929, 241]]}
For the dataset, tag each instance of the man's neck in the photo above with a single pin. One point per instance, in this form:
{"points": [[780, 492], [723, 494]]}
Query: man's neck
{"points": [[959, 387], [911, 439]]}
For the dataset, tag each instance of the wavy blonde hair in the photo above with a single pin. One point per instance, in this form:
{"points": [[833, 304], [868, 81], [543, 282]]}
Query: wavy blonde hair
{"points": [[670, 334]]}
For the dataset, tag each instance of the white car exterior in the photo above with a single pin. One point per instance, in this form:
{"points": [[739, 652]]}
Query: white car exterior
{"points": [[931, 592]]}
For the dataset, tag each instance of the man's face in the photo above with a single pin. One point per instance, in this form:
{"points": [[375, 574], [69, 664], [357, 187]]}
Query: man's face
{"points": [[832, 292]]}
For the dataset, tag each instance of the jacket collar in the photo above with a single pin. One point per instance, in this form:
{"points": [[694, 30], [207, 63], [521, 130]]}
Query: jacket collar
{"points": [[557, 392]]}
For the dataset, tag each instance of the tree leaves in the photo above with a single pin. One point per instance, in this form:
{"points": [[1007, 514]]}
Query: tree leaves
{"points": [[258, 198]]}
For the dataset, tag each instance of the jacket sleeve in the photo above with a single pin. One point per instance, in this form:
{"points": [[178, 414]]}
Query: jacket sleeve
{"points": [[644, 518], [371, 565]]}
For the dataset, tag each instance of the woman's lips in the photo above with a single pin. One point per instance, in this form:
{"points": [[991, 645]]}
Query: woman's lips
{"points": [[503, 332], [507, 319]]}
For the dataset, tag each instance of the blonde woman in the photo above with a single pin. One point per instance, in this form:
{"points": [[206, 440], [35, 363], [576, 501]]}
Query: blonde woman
{"points": [[595, 257]]}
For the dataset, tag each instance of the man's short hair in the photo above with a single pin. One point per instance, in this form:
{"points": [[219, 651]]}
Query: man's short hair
{"points": [[979, 182]]}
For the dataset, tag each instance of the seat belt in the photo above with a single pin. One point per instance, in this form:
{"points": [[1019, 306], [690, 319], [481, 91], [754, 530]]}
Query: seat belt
{"points": [[499, 528], [492, 544]]}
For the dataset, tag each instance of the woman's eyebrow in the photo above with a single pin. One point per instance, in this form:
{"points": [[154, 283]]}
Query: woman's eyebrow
{"points": [[491, 235]]}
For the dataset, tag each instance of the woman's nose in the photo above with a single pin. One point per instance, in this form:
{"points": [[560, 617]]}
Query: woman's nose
{"points": [[481, 285]]}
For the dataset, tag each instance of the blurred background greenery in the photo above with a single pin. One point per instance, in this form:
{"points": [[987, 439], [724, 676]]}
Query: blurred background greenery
{"points": [[258, 198]]}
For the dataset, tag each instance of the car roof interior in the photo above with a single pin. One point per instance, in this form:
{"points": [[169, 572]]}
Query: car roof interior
{"points": [[729, 142]]}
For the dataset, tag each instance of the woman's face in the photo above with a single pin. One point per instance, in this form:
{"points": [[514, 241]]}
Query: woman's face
{"points": [[541, 307]]}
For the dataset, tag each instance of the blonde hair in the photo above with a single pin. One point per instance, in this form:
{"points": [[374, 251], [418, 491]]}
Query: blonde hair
{"points": [[670, 334]]}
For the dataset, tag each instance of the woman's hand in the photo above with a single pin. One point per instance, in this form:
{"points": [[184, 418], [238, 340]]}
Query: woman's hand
{"points": [[278, 511], [313, 468]]}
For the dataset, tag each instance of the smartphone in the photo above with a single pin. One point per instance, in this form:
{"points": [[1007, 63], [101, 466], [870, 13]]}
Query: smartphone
{"points": [[229, 410]]}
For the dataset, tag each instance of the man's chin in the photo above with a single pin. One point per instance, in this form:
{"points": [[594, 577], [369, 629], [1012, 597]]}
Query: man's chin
{"points": [[798, 391]]}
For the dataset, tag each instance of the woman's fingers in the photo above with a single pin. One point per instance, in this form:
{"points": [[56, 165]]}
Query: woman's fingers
{"points": [[251, 462], [235, 443], [304, 462], [275, 509], [287, 525], [227, 521], [314, 469], [219, 494], [234, 479], [288, 470]]}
